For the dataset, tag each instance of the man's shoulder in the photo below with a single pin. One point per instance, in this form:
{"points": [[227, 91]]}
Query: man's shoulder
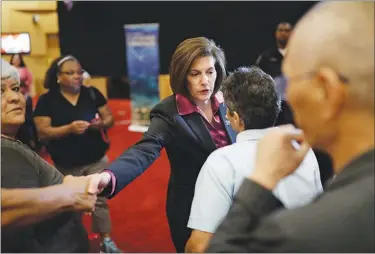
{"points": [[269, 52], [225, 152], [349, 206], [14, 147], [235, 154], [310, 161], [236, 147], [16, 164], [15, 151]]}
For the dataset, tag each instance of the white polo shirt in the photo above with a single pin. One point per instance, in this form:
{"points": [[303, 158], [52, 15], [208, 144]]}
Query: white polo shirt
{"points": [[225, 169]]}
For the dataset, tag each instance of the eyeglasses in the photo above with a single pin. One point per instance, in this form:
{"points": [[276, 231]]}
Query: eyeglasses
{"points": [[309, 75], [70, 73]]}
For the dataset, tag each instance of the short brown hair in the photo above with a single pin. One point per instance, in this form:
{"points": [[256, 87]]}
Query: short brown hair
{"points": [[188, 51]]}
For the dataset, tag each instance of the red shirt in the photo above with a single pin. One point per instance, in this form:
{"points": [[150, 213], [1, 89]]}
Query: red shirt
{"points": [[216, 128]]}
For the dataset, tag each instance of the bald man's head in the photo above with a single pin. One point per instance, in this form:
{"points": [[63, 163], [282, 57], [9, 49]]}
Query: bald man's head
{"points": [[337, 35], [330, 70]]}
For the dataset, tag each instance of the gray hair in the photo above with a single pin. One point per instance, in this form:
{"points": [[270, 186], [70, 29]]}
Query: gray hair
{"points": [[9, 72]]}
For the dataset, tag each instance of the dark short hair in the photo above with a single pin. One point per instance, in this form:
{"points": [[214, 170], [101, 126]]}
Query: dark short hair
{"points": [[251, 93], [22, 62], [182, 59], [50, 79], [284, 23]]}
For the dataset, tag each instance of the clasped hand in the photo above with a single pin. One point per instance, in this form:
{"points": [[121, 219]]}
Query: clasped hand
{"points": [[83, 190]]}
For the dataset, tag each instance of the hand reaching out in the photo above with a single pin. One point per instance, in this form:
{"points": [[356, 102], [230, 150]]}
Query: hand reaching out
{"points": [[77, 191], [98, 182], [82, 191]]}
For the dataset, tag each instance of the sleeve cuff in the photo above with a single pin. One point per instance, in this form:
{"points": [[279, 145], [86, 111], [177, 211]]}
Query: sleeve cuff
{"points": [[257, 199], [202, 224], [110, 189]]}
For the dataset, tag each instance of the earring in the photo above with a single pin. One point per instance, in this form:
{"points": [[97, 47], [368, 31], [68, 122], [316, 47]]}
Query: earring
{"points": [[58, 81]]}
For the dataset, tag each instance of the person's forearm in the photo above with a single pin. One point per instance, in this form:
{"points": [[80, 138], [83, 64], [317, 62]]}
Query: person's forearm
{"points": [[20, 207], [108, 122], [197, 248], [48, 133], [198, 245]]}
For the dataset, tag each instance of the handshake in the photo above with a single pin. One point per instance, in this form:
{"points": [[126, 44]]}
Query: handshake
{"points": [[80, 193]]}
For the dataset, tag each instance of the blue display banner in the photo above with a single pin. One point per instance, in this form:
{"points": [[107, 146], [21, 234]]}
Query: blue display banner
{"points": [[142, 56]]}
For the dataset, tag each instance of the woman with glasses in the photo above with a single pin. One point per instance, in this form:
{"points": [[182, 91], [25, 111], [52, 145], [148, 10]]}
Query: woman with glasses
{"points": [[72, 119]]}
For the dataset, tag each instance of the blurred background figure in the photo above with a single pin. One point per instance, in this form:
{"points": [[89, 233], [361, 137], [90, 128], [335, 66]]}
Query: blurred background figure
{"points": [[270, 60], [72, 119], [26, 78]]}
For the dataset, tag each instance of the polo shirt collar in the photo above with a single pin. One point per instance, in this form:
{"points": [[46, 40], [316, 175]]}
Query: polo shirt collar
{"points": [[254, 135]]}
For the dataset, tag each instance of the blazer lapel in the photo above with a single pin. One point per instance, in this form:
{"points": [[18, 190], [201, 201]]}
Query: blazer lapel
{"points": [[200, 130], [228, 128], [182, 122]]}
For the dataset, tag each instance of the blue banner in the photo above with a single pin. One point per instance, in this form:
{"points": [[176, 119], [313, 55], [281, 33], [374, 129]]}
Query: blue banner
{"points": [[142, 56]]}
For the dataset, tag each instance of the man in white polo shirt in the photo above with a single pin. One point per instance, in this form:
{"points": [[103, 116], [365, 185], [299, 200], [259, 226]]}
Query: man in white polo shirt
{"points": [[253, 106]]}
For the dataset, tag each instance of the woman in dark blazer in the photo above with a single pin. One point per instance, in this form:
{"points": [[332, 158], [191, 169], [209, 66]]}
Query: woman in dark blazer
{"points": [[190, 124]]}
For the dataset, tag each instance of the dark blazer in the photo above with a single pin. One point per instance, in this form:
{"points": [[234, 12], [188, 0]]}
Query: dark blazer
{"points": [[188, 143], [341, 220]]}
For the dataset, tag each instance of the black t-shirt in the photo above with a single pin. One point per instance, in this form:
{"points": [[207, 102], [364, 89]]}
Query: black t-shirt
{"points": [[73, 150], [23, 168]]}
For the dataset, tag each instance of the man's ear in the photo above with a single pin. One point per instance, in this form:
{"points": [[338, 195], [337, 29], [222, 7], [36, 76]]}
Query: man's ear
{"points": [[236, 117], [238, 121], [334, 94], [227, 114]]}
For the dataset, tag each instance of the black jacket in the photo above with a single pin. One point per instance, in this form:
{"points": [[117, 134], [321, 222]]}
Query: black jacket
{"points": [[188, 143], [270, 62], [341, 220]]}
